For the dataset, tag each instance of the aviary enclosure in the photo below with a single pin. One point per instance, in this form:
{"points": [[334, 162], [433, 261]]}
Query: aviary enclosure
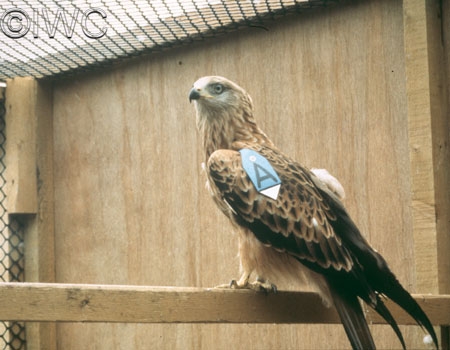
{"points": [[109, 238]]}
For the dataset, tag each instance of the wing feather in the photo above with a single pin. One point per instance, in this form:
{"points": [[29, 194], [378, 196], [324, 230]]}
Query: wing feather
{"points": [[298, 221]]}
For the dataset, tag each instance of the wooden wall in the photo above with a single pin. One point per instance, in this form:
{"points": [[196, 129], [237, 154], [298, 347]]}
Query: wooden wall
{"points": [[330, 88]]}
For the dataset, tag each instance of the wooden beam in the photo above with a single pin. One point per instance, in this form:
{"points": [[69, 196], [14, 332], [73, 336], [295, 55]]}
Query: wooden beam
{"points": [[428, 126], [21, 146], [29, 172], [428, 139], [45, 302]]}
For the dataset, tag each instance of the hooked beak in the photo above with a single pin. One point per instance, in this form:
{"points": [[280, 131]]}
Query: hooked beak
{"points": [[194, 94]]}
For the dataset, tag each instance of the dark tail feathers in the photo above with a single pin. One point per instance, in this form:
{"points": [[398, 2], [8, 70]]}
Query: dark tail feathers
{"points": [[394, 291], [352, 317], [386, 314]]}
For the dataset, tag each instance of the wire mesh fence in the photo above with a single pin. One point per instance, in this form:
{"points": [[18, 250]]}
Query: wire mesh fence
{"points": [[12, 334], [48, 38]]}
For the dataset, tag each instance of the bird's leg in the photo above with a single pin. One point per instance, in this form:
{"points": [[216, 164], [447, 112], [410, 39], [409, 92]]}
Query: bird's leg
{"points": [[242, 283]]}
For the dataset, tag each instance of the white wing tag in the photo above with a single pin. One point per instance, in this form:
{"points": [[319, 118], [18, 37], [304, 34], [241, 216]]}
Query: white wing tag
{"points": [[261, 173]]}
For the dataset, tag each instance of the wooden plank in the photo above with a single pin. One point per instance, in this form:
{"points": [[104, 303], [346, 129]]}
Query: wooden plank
{"points": [[439, 33], [43, 302], [427, 94], [439, 107], [420, 140], [428, 138], [21, 146], [40, 234], [115, 303], [445, 17], [29, 169]]}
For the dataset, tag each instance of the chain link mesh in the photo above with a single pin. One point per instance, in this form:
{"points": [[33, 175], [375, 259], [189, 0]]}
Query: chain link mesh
{"points": [[49, 38], [12, 334]]}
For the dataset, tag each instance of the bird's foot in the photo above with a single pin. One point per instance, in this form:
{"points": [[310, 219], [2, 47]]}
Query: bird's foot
{"points": [[258, 286], [234, 285], [241, 284]]}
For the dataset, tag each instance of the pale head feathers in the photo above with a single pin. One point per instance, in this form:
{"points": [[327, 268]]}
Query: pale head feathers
{"points": [[224, 114], [214, 95]]}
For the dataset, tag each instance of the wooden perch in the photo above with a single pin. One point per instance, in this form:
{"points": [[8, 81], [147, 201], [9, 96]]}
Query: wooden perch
{"points": [[43, 302]]}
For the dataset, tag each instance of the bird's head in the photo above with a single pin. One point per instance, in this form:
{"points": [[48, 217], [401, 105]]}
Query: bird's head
{"points": [[224, 114], [217, 97]]}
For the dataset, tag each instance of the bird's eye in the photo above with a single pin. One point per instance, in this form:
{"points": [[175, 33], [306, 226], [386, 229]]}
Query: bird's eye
{"points": [[218, 88]]}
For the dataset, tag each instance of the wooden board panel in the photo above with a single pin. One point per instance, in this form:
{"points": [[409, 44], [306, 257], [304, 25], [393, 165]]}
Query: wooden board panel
{"points": [[130, 203]]}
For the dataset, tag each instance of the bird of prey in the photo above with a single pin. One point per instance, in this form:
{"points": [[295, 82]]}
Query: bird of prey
{"points": [[291, 222]]}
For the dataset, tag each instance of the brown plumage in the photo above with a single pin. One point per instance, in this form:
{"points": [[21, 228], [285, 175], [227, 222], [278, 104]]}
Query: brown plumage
{"points": [[304, 233]]}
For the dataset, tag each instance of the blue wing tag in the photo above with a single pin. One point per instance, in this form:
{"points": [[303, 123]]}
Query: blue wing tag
{"points": [[261, 173]]}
